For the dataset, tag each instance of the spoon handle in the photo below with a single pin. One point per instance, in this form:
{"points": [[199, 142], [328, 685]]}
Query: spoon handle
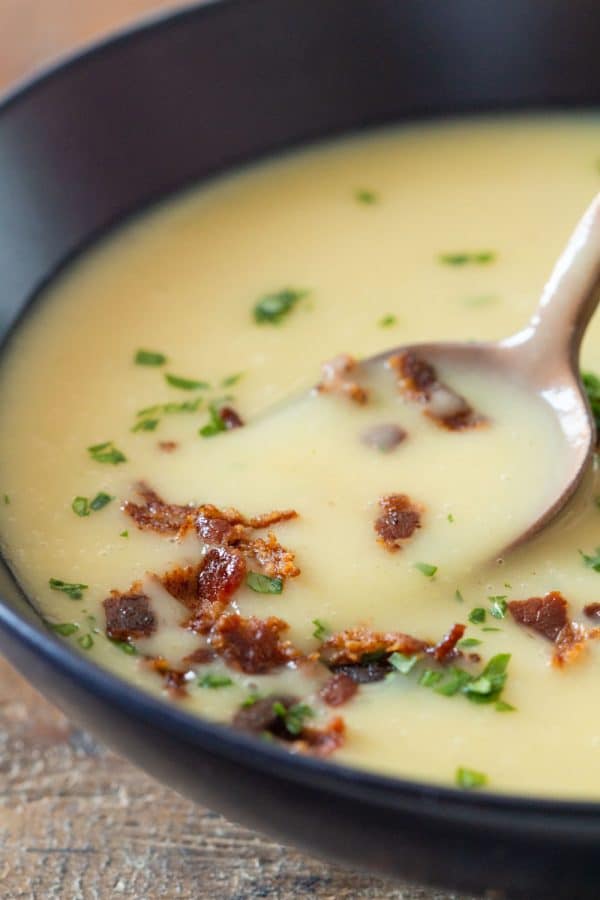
{"points": [[568, 300]]}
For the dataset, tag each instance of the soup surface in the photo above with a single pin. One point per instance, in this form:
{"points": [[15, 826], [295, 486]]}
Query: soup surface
{"points": [[380, 624]]}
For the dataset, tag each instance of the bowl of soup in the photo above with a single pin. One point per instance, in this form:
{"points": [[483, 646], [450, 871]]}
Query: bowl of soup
{"points": [[246, 562]]}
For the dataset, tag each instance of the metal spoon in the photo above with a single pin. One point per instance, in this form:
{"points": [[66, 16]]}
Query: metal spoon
{"points": [[544, 357]]}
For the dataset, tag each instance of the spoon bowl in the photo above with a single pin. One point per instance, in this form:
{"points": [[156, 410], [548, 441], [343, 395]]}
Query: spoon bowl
{"points": [[543, 359]]}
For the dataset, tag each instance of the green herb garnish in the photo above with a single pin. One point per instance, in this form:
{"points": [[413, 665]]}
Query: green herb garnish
{"points": [[469, 778], [81, 506], [125, 646], [402, 663], [106, 453], [263, 584], [149, 358], [593, 561], [216, 424], [86, 641], [100, 501], [387, 321], [426, 568], [321, 630], [6, 499], [503, 706], [211, 680], [187, 406], [489, 685], [498, 606], [124, 534], [477, 615], [251, 699], [272, 308], [65, 628], [468, 642], [146, 425], [230, 380], [185, 384], [478, 258], [451, 518], [430, 677], [366, 196], [73, 591], [453, 682], [458, 596], [489, 628], [293, 718]]}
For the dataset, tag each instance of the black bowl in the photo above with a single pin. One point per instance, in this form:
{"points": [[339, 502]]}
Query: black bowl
{"points": [[179, 99]]}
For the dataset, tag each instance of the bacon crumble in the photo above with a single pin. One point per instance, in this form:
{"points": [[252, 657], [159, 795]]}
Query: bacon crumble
{"points": [[174, 679], [548, 616], [262, 717], [592, 611], [398, 522], [168, 446], [230, 418], [156, 515], [252, 645], [340, 688], [446, 648], [129, 616], [418, 380], [335, 379], [353, 645]]}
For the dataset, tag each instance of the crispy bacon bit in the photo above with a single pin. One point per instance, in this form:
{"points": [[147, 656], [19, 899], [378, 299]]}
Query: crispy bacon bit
{"points": [[353, 645], [339, 689], [207, 588], [366, 672], [548, 616], [262, 718], [335, 379], [156, 515], [201, 656], [129, 616], [592, 611], [273, 518], [276, 561], [400, 519], [446, 648], [383, 437], [418, 380], [252, 645], [174, 679], [168, 446], [230, 418], [323, 741]]}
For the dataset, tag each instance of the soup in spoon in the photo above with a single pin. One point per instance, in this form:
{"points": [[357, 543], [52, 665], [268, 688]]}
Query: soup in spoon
{"points": [[322, 572]]}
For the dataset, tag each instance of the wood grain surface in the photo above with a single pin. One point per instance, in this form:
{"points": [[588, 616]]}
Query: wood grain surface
{"points": [[76, 821]]}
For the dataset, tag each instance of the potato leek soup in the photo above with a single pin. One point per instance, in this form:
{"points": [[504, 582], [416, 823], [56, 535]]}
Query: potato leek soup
{"points": [[202, 490]]}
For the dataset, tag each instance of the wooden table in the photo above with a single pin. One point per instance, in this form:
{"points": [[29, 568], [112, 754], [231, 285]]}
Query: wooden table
{"points": [[76, 821]]}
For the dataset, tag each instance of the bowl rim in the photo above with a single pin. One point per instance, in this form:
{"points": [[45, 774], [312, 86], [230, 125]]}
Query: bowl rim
{"points": [[520, 812]]}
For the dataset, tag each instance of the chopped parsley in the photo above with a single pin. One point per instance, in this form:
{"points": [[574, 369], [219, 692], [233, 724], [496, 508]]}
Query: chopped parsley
{"points": [[402, 663], [86, 641], [185, 384], [489, 628], [215, 424], [498, 606], [458, 596], [388, 321], [293, 718], [73, 591], [149, 358], [187, 406], [452, 682], [430, 677], [469, 778], [100, 501], [503, 706], [426, 568], [251, 699], [125, 646], [273, 308], [477, 615], [106, 453], [214, 681], [6, 499], [468, 642], [65, 628], [263, 584], [366, 196], [489, 685], [146, 425], [124, 534], [321, 630], [451, 518], [478, 258], [593, 561], [230, 380], [591, 385], [81, 506]]}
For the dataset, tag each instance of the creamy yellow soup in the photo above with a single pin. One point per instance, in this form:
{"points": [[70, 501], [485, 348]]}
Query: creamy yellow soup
{"points": [[431, 232]]}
